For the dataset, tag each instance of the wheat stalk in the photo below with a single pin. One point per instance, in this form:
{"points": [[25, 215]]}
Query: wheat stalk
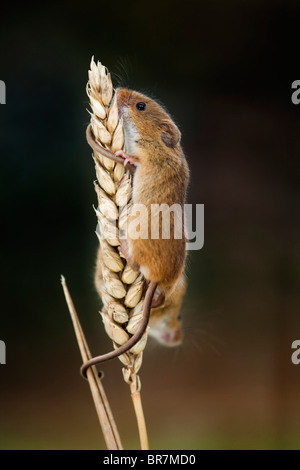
{"points": [[121, 287], [105, 416]]}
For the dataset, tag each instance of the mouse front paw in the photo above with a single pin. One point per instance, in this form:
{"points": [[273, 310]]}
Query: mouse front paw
{"points": [[127, 158]]}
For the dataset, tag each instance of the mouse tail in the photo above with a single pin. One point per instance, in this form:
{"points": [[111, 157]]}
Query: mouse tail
{"points": [[105, 152], [132, 341]]}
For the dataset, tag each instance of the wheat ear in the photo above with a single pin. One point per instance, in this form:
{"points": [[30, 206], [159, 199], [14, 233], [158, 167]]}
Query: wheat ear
{"points": [[121, 287]]}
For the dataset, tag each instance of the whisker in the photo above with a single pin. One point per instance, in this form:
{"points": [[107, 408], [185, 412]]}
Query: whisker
{"points": [[176, 354], [211, 346], [196, 345], [121, 75]]}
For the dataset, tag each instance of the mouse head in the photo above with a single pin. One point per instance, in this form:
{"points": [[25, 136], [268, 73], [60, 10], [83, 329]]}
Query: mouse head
{"points": [[166, 325], [146, 123], [165, 321]]}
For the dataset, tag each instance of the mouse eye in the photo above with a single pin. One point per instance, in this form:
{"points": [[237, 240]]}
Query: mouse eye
{"points": [[141, 106]]}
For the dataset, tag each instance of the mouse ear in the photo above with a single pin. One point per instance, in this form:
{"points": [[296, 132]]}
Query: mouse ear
{"points": [[170, 134]]}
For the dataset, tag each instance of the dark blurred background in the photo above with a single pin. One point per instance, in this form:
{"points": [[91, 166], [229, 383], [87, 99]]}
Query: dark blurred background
{"points": [[224, 70]]}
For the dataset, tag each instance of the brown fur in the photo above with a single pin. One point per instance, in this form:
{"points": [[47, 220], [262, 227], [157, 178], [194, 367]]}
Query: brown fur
{"points": [[161, 177], [165, 324]]}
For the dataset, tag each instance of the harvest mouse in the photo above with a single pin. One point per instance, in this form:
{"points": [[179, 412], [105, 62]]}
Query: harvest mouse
{"points": [[152, 143], [165, 322]]}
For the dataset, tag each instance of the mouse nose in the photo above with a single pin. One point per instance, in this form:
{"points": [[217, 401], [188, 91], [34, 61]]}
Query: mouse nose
{"points": [[172, 338]]}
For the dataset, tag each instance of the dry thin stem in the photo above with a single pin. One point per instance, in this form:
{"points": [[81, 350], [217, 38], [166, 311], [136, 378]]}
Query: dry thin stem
{"points": [[138, 408], [107, 422]]}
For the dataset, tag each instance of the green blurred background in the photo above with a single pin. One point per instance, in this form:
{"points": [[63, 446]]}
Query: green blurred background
{"points": [[224, 70]]}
